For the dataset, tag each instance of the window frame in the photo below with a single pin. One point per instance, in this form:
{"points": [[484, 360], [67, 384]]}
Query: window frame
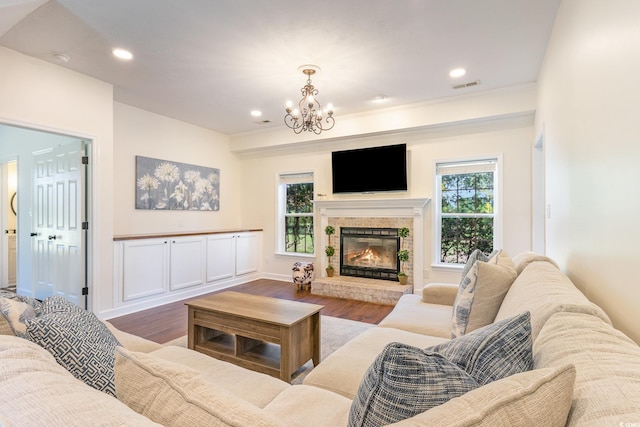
{"points": [[497, 204], [289, 177]]}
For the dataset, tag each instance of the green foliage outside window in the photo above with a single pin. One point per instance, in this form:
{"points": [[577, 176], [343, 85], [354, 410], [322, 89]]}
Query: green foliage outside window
{"points": [[467, 215], [299, 218]]}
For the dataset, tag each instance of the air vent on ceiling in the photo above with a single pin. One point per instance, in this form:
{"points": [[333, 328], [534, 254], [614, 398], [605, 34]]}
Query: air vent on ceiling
{"points": [[468, 84], [262, 122]]}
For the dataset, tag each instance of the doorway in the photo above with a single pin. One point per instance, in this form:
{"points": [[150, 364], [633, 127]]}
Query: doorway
{"points": [[44, 219]]}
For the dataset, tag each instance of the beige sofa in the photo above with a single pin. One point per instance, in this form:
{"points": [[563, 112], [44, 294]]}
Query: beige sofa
{"points": [[586, 373]]}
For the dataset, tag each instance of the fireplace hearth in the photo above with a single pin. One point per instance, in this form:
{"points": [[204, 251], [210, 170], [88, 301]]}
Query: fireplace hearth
{"points": [[369, 252]]}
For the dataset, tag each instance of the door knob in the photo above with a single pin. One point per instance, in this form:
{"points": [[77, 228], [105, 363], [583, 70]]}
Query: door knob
{"points": [[33, 234], [52, 237]]}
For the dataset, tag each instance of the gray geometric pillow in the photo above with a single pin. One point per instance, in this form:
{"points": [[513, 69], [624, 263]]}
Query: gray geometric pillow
{"points": [[405, 381], [493, 352], [78, 340]]}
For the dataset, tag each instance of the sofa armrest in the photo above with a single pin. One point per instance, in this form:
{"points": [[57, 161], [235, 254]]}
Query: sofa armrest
{"points": [[440, 293]]}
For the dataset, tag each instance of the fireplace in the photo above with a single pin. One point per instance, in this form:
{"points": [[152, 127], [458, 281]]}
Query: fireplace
{"points": [[369, 252]]}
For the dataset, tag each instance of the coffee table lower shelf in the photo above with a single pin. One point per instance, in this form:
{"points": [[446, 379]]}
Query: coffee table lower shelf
{"points": [[242, 351]]}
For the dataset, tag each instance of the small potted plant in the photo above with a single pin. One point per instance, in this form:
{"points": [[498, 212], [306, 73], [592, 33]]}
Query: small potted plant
{"points": [[403, 255], [329, 250]]}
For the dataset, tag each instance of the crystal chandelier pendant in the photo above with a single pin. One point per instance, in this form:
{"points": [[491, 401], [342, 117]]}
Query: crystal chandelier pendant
{"points": [[309, 116]]}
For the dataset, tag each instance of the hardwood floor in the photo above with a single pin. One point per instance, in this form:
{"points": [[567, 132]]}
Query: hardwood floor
{"points": [[167, 322]]}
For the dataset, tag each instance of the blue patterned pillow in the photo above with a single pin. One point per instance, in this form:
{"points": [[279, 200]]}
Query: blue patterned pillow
{"points": [[493, 352], [405, 381], [78, 340]]}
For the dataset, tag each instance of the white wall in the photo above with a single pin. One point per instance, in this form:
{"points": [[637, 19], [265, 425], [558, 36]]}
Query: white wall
{"points": [[588, 110], [141, 133], [44, 96], [511, 137]]}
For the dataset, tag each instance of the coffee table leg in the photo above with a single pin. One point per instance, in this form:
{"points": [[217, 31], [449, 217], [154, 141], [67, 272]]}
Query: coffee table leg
{"points": [[316, 338]]}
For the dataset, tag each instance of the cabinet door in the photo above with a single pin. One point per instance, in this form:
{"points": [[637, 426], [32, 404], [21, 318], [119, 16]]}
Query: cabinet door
{"points": [[188, 262], [144, 268], [247, 252], [220, 256]]}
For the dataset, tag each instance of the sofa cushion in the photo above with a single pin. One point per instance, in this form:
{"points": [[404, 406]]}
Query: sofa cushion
{"points": [[5, 325], [254, 387], [302, 405], [523, 259], [37, 391], [342, 371], [404, 381], [494, 351], [480, 294], [607, 387], [540, 397], [78, 340], [413, 315], [173, 394], [543, 290]]}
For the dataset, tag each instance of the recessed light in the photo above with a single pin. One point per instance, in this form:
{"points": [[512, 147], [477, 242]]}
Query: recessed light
{"points": [[457, 72], [123, 54], [60, 57], [379, 98], [256, 113]]}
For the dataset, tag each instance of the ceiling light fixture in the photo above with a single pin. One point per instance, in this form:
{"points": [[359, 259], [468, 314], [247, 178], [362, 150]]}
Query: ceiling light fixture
{"points": [[457, 72], [309, 115], [123, 54]]}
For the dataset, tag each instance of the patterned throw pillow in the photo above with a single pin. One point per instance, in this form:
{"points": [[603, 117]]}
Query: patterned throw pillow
{"points": [[405, 381], [481, 292], [17, 313], [78, 340], [476, 255], [493, 352]]}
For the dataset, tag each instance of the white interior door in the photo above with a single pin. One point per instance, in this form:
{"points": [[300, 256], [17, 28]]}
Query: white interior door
{"points": [[58, 212]]}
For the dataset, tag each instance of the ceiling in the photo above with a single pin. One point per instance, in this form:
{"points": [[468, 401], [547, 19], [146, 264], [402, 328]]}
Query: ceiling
{"points": [[210, 62]]}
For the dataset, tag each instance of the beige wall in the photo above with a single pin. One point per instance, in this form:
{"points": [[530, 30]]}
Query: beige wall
{"points": [[512, 138], [40, 95], [588, 113], [141, 133]]}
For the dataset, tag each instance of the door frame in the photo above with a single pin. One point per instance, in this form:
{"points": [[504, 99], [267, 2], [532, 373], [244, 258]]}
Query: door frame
{"points": [[92, 242]]}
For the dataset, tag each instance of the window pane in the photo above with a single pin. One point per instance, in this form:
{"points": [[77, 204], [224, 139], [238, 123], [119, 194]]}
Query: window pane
{"points": [[467, 193], [461, 236], [299, 198], [299, 234]]}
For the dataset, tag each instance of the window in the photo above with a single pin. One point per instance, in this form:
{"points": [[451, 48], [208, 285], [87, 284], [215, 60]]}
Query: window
{"points": [[296, 213], [466, 209]]}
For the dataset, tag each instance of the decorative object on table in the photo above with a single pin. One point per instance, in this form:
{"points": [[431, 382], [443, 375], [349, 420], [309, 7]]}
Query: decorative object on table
{"points": [[403, 255], [165, 185], [309, 115], [303, 274], [329, 250]]}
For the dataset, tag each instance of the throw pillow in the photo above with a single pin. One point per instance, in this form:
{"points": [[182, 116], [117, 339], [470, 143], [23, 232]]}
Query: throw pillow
{"points": [[480, 294], [476, 255], [78, 341], [17, 313], [404, 381], [542, 397], [493, 352], [172, 394]]}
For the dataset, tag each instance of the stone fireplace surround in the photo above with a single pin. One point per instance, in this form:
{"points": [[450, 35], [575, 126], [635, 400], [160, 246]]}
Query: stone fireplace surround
{"points": [[375, 212]]}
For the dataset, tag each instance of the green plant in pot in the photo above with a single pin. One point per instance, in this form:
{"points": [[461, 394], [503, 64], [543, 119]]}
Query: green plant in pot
{"points": [[329, 250], [403, 255]]}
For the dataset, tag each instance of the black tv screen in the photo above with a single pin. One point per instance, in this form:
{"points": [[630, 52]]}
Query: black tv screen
{"points": [[369, 170]]}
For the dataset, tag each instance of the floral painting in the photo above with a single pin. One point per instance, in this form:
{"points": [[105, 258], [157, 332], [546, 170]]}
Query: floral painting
{"points": [[164, 185]]}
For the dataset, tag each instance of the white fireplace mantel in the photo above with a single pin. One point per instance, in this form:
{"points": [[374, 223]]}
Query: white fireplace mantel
{"points": [[380, 208]]}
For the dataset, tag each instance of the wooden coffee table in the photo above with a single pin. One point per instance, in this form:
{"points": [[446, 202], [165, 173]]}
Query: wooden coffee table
{"points": [[268, 335]]}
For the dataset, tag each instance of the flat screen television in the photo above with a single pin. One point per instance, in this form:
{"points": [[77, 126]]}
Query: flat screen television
{"points": [[370, 170]]}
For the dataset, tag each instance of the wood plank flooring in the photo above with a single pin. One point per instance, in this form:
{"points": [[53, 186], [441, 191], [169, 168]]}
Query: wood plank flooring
{"points": [[167, 322]]}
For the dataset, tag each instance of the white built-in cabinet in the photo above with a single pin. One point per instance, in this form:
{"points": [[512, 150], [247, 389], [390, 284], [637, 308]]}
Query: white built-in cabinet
{"points": [[174, 267]]}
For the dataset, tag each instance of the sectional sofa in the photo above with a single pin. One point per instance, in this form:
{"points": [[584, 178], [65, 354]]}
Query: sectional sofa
{"points": [[530, 349]]}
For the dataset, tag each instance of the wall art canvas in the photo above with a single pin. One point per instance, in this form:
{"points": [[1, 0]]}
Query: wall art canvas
{"points": [[165, 185]]}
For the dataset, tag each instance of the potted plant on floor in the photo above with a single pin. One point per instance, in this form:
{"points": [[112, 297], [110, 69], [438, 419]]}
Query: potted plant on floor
{"points": [[329, 250], [403, 255]]}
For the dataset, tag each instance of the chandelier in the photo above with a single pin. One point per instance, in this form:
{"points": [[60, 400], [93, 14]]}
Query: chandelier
{"points": [[309, 115]]}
